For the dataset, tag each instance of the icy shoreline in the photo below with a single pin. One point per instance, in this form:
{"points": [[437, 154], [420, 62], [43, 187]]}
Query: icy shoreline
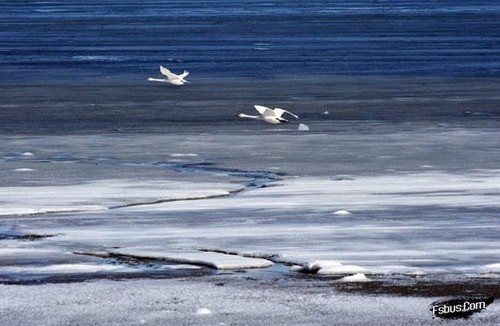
{"points": [[146, 194], [315, 229]]}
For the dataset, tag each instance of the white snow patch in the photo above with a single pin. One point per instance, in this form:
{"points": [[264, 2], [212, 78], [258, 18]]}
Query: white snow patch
{"points": [[415, 273], [210, 259], [319, 264], [493, 267], [203, 311], [296, 268], [331, 267], [358, 277], [24, 170], [184, 155], [342, 212], [303, 127], [342, 269]]}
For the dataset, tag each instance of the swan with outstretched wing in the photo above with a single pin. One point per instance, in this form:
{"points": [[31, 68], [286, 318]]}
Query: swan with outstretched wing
{"points": [[171, 77], [272, 116]]}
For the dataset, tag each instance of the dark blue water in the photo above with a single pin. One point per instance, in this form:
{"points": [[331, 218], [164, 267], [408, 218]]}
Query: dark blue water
{"points": [[86, 39]]}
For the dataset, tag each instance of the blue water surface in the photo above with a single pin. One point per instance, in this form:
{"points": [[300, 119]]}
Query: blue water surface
{"points": [[249, 38]]}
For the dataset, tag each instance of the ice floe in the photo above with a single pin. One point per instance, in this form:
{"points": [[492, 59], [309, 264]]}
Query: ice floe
{"points": [[371, 192], [210, 259]]}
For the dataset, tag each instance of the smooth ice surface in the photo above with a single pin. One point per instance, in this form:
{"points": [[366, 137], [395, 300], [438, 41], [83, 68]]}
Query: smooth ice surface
{"points": [[478, 189], [65, 269], [103, 194]]}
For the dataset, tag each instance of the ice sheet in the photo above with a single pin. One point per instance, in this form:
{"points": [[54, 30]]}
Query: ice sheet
{"points": [[408, 208], [65, 269], [479, 189], [104, 194]]}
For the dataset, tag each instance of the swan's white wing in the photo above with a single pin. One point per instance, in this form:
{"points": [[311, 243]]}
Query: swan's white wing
{"points": [[265, 111], [168, 73], [279, 112], [184, 74]]}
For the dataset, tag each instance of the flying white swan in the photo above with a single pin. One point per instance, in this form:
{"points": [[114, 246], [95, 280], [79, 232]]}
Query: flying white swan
{"points": [[171, 77], [268, 115]]}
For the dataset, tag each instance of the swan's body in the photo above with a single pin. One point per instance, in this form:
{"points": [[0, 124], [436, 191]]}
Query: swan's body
{"points": [[272, 116], [171, 77]]}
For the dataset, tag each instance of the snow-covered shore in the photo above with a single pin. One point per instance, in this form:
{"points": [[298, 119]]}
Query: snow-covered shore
{"points": [[219, 300]]}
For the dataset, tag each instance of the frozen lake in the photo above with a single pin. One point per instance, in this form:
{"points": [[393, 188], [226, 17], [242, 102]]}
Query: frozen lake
{"points": [[413, 208], [421, 201]]}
